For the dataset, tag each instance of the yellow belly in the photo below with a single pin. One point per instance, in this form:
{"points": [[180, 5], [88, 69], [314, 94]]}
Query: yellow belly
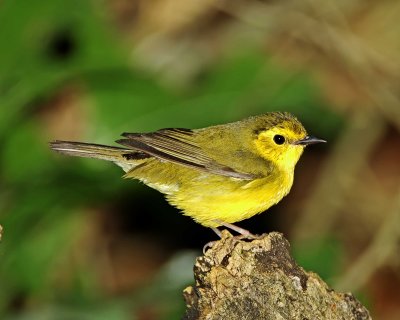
{"points": [[227, 201], [207, 197]]}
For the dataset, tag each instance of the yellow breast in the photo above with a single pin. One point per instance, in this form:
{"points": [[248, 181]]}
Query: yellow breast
{"points": [[229, 200], [208, 197]]}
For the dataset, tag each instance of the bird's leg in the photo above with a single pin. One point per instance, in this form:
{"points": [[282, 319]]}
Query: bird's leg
{"points": [[211, 243], [216, 230], [244, 233]]}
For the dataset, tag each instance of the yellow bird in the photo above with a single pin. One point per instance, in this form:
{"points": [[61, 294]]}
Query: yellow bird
{"points": [[217, 175]]}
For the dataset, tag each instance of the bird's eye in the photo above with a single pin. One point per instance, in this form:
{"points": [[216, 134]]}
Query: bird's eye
{"points": [[278, 139]]}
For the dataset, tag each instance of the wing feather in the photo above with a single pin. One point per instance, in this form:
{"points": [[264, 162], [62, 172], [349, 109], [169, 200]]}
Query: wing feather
{"points": [[179, 146]]}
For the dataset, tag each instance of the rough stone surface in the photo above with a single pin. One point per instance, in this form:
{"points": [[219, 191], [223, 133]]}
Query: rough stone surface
{"points": [[237, 279]]}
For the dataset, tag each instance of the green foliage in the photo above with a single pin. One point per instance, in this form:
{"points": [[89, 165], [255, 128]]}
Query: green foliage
{"points": [[322, 256], [24, 154]]}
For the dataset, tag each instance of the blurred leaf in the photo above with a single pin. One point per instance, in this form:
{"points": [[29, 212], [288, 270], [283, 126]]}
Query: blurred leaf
{"points": [[122, 98], [106, 311], [166, 288], [236, 73], [31, 261], [34, 54], [25, 154], [322, 256]]}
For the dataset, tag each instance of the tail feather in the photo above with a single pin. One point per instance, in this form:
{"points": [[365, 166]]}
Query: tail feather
{"points": [[125, 158]]}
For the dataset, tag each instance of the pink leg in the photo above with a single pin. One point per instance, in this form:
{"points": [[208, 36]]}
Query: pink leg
{"points": [[245, 233], [211, 243], [216, 230]]}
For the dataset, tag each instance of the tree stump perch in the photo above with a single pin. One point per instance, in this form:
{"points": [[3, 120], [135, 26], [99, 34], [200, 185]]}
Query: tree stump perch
{"points": [[238, 279]]}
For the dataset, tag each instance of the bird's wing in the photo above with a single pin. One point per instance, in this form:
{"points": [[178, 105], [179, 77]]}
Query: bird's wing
{"points": [[179, 146]]}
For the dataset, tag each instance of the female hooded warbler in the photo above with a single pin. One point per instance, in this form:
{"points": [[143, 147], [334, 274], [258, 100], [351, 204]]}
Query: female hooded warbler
{"points": [[217, 175]]}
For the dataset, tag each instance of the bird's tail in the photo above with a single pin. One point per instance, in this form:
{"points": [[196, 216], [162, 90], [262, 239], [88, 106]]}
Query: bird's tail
{"points": [[125, 158]]}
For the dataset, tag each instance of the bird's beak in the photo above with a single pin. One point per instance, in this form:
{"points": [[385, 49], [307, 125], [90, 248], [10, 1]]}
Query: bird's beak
{"points": [[308, 140]]}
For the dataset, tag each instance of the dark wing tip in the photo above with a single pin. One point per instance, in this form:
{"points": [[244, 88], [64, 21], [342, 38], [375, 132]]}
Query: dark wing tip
{"points": [[125, 142], [130, 134], [137, 155]]}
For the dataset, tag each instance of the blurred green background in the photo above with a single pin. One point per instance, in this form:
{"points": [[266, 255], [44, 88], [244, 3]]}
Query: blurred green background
{"points": [[79, 242]]}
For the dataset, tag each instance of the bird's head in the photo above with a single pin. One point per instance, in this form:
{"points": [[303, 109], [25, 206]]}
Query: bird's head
{"points": [[281, 139]]}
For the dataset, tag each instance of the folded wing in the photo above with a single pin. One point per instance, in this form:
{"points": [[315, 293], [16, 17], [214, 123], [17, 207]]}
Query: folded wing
{"points": [[179, 146]]}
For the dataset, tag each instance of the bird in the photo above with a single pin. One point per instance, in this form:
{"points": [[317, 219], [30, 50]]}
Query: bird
{"points": [[217, 175]]}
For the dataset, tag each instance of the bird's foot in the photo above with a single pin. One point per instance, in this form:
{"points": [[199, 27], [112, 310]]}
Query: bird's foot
{"points": [[243, 234], [210, 244]]}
